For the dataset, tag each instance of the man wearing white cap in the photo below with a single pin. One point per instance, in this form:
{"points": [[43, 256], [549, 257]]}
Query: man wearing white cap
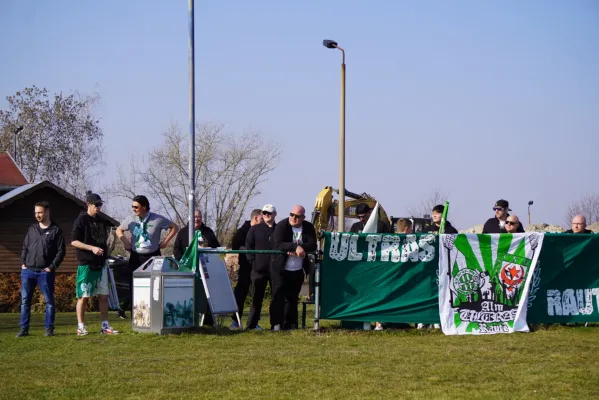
{"points": [[260, 238]]}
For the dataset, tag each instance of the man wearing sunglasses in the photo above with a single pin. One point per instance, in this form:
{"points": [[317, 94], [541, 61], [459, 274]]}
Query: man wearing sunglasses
{"points": [[89, 237], [296, 237], [363, 212], [145, 229], [512, 223], [497, 224], [260, 238]]}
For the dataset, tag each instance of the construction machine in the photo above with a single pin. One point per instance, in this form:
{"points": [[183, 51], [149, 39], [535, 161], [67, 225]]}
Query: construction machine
{"points": [[325, 214]]}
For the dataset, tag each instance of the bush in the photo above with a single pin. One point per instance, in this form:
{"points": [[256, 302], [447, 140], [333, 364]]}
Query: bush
{"points": [[64, 294]]}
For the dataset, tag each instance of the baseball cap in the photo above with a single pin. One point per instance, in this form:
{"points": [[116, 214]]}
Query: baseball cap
{"points": [[93, 198], [269, 208], [503, 204]]}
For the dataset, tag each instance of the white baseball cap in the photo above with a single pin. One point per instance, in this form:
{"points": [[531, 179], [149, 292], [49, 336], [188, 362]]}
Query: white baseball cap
{"points": [[269, 208]]}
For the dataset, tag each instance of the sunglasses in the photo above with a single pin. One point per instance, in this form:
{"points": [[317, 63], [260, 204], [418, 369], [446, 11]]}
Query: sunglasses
{"points": [[266, 213], [511, 223], [292, 215], [135, 207], [497, 208], [98, 204]]}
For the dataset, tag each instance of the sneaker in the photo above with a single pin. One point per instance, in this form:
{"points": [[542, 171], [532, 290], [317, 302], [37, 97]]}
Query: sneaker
{"points": [[234, 325], [23, 332], [109, 331], [121, 314], [436, 326], [258, 328], [378, 327], [82, 331], [49, 332], [420, 326], [277, 327]]}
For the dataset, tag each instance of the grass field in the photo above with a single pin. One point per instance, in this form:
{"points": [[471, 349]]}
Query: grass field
{"points": [[560, 362]]}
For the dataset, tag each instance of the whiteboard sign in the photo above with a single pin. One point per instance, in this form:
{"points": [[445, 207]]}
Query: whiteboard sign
{"points": [[217, 284]]}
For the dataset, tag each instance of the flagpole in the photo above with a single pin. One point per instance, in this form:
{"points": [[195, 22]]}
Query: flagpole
{"points": [[192, 117]]}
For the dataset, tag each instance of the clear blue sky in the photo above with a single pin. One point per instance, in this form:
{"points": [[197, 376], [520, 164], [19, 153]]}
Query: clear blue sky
{"points": [[485, 100]]}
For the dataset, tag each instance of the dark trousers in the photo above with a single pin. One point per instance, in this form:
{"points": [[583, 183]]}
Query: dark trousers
{"points": [[259, 281], [286, 286], [243, 287], [29, 280], [135, 261]]}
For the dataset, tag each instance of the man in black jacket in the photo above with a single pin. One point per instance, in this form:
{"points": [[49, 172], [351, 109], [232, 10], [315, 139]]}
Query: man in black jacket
{"points": [[363, 212], [296, 237], [260, 237], [497, 224], [245, 267], [208, 238], [437, 215], [579, 225], [43, 252]]}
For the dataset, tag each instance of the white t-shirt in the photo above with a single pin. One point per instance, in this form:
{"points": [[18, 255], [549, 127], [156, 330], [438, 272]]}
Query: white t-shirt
{"points": [[294, 263]]}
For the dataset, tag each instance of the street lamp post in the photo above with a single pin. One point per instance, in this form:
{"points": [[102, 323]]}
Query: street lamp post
{"points": [[331, 44], [19, 129], [529, 204], [192, 121]]}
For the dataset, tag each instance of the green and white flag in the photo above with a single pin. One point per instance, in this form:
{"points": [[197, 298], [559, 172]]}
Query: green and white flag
{"points": [[484, 281]]}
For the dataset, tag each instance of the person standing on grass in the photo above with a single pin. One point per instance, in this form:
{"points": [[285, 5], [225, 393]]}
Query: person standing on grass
{"points": [[89, 237], [145, 228], [296, 237], [43, 252]]}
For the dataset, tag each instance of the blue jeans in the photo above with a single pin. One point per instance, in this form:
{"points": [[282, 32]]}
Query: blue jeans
{"points": [[45, 280]]}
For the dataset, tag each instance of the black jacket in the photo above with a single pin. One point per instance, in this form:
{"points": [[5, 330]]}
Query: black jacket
{"points": [[381, 227], [93, 231], [182, 240], [283, 240], [449, 229], [492, 226], [585, 231], [43, 248], [239, 242], [260, 237]]}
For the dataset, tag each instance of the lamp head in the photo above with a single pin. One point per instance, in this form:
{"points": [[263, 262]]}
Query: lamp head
{"points": [[329, 44], [530, 203]]}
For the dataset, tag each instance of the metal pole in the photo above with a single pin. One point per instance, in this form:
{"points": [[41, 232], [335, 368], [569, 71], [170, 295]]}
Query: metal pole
{"points": [[17, 131], [192, 121], [341, 210], [317, 286]]}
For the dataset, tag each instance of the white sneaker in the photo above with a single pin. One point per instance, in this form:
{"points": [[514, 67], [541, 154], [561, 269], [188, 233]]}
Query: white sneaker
{"points": [[277, 327], [436, 326], [378, 327], [82, 331], [420, 326]]}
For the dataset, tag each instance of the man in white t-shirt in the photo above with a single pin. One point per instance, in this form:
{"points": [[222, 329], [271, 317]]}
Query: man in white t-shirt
{"points": [[296, 237]]}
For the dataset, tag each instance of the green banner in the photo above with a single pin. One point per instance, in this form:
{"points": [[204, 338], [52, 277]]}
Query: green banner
{"points": [[394, 278], [565, 285], [380, 277]]}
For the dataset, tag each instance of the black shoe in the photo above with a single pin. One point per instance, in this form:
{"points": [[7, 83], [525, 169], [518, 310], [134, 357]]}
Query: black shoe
{"points": [[121, 314], [23, 332], [49, 332]]}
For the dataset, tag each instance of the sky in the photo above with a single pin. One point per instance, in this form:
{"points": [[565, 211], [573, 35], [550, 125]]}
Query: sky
{"points": [[483, 100]]}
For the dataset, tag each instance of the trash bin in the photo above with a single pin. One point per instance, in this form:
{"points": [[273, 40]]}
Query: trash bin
{"points": [[163, 297]]}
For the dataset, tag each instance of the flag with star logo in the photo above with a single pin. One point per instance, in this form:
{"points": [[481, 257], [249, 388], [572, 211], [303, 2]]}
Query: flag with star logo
{"points": [[484, 280]]}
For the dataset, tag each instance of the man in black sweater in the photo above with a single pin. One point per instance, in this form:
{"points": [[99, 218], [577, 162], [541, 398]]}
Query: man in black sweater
{"points": [[208, 238], [363, 212], [296, 237], [260, 237], [579, 225], [245, 268], [497, 224], [43, 252], [437, 215]]}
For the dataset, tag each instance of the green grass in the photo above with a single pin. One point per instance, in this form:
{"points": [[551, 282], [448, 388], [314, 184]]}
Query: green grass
{"points": [[560, 362]]}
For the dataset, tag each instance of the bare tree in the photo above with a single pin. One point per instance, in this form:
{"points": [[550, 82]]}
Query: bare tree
{"points": [[61, 139], [587, 205], [426, 206], [229, 172]]}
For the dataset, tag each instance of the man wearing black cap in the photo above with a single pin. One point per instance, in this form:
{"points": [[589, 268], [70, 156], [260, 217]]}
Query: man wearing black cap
{"points": [[437, 215], [89, 237], [497, 224], [363, 212]]}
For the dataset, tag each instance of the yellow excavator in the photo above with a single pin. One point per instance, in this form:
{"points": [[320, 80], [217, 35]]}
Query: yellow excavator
{"points": [[326, 209], [324, 216]]}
